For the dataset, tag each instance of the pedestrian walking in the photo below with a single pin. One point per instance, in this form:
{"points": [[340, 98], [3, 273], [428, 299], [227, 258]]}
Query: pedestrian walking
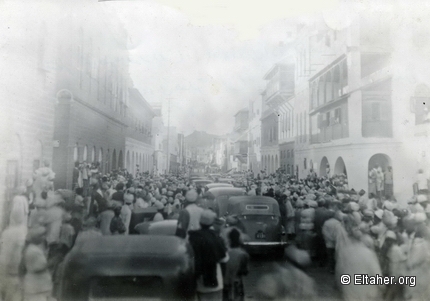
{"points": [[236, 268], [209, 253], [190, 216]]}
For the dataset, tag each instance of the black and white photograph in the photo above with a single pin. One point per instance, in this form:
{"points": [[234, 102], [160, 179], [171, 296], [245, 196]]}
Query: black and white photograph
{"points": [[164, 150]]}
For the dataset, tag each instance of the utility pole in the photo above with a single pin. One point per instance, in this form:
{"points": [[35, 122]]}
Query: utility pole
{"points": [[168, 136]]}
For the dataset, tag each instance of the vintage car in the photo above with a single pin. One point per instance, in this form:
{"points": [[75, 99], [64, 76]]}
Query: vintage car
{"points": [[202, 183], [225, 180], [166, 227], [216, 185], [214, 176], [128, 267], [260, 219], [216, 198], [141, 215]]}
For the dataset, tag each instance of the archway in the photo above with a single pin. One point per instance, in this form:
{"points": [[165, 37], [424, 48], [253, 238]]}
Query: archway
{"points": [[339, 167], [76, 153], [378, 166], [127, 161], [114, 159], [93, 155], [323, 167], [144, 160], [272, 164], [120, 160], [100, 159], [276, 163], [85, 156], [132, 163]]}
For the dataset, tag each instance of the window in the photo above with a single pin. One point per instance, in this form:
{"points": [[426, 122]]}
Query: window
{"points": [[337, 116], [375, 111], [327, 40]]}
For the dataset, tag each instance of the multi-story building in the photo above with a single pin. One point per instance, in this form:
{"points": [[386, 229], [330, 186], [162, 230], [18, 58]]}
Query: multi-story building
{"points": [[277, 116], [200, 145], [158, 134], [181, 151], [278, 98], [240, 139], [28, 78], [171, 147], [254, 136], [138, 141], [365, 103], [92, 115]]}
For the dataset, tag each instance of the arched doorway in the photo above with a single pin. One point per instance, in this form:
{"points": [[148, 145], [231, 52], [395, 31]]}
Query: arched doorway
{"points": [[120, 160], [100, 159], [93, 155], [323, 167], [85, 156], [378, 168], [132, 163], [276, 163], [76, 153], [114, 159], [339, 167], [144, 160]]}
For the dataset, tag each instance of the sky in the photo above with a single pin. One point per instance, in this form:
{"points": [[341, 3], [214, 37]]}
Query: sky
{"points": [[207, 58]]}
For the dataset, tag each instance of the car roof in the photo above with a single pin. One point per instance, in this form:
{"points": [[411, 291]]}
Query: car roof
{"points": [[216, 185], [199, 181], [166, 227], [129, 244], [217, 191]]}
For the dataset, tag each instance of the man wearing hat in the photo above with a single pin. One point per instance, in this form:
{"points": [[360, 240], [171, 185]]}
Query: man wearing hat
{"points": [[190, 216], [209, 252]]}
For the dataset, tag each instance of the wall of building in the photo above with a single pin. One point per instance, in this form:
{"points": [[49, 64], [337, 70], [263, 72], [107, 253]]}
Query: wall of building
{"points": [[27, 89]]}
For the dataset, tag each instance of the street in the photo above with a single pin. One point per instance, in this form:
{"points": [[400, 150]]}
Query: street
{"points": [[258, 266]]}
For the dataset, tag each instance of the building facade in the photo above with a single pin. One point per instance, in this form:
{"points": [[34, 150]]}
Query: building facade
{"points": [[28, 87], [92, 115], [254, 136], [361, 101], [158, 133], [240, 139], [138, 141]]}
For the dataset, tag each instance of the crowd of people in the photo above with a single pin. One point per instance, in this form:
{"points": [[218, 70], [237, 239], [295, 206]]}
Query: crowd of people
{"points": [[348, 231], [355, 232]]}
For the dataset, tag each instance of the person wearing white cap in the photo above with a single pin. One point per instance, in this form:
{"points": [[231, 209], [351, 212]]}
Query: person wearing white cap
{"points": [[209, 252], [190, 216], [160, 209]]}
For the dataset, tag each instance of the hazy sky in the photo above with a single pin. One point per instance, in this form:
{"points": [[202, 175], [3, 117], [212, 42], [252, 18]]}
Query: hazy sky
{"points": [[207, 57]]}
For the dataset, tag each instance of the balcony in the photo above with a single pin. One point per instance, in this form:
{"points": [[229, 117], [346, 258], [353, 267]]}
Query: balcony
{"points": [[280, 85]]}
